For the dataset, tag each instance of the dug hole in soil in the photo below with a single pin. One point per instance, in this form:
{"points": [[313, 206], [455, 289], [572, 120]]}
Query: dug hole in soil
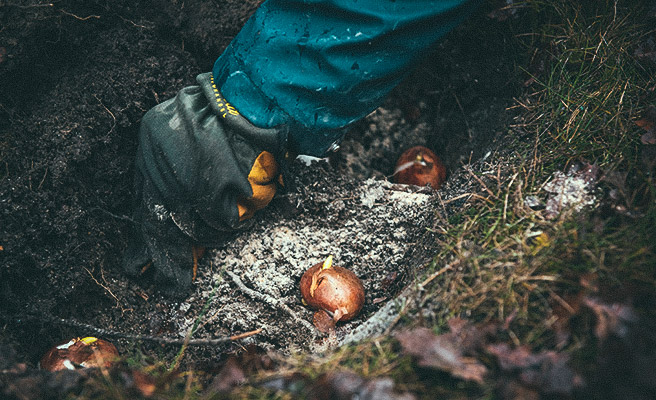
{"points": [[75, 80]]}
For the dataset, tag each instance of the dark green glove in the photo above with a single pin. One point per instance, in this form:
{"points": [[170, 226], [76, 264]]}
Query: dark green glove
{"points": [[202, 171]]}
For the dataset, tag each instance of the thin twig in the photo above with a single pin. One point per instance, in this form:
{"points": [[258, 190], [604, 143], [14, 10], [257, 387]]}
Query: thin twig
{"points": [[43, 179], [121, 217], [245, 334], [144, 338], [478, 196], [455, 198], [505, 201], [107, 289], [435, 275], [464, 115], [194, 327], [398, 317], [134, 23], [273, 302], [31, 6], [480, 181], [110, 113], [563, 303], [439, 214], [80, 18]]}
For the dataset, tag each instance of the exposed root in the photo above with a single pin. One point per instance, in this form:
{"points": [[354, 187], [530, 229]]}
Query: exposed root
{"points": [[78, 17], [146, 338], [271, 301], [107, 289]]}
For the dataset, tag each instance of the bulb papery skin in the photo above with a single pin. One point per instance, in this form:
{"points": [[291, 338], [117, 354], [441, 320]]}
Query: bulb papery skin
{"points": [[88, 352], [420, 166], [338, 291]]}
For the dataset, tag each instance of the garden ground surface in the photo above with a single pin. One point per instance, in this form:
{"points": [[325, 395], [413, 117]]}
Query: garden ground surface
{"points": [[75, 80]]}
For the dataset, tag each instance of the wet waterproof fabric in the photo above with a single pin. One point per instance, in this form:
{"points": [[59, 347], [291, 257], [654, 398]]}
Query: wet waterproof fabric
{"points": [[319, 65], [202, 171]]}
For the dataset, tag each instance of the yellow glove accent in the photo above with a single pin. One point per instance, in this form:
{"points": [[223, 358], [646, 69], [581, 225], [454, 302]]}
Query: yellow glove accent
{"points": [[263, 178]]}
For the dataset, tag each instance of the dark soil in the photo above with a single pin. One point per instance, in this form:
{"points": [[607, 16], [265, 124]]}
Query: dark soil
{"points": [[75, 79]]}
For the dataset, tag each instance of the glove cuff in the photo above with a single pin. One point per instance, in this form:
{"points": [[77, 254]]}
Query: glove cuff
{"points": [[280, 144], [273, 140]]}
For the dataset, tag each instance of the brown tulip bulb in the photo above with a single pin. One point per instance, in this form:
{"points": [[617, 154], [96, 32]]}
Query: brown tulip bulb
{"points": [[88, 352], [333, 289], [420, 166]]}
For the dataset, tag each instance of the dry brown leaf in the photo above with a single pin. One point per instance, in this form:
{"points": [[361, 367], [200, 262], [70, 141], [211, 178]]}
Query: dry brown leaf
{"points": [[336, 385], [348, 385], [143, 383], [468, 336], [443, 352], [648, 123], [611, 318], [230, 376], [646, 51], [547, 371], [625, 355], [510, 359], [238, 367]]}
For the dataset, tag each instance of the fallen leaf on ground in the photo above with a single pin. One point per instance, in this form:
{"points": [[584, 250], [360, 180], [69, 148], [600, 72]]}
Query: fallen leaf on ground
{"points": [[336, 385], [647, 49], [139, 382], [612, 318], [230, 376], [444, 352], [648, 123], [238, 367], [470, 337], [546, 371], [348, 385], [625, 356]]}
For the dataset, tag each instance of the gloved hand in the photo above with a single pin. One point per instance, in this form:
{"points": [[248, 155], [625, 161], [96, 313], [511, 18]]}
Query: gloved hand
{"points": [[202, 172]]}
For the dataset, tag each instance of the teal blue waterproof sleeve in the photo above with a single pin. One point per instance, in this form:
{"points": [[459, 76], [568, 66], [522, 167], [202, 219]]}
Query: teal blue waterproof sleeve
{"points": [[319, 65]]}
